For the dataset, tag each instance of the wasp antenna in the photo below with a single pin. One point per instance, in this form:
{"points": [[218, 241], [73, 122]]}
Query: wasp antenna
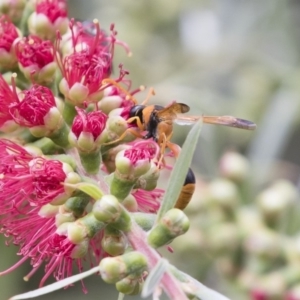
{"points": [[151, 93], [109, 82]]}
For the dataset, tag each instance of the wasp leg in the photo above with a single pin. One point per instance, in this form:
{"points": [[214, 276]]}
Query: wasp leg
{"points": [[174, 148], [162, 145], [165, 143], [138, 122], [134, 131]]}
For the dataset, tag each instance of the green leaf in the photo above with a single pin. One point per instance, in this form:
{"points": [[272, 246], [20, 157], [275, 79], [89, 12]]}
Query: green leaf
{"points": [[154, 277], [88, 188], [55, 286], [180, 170]]}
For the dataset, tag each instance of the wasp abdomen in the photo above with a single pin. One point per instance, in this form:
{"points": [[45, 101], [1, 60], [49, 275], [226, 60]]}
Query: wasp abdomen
{"points": [[187, 190]]}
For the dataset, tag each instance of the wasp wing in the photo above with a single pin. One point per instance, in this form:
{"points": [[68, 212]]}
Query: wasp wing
{"points": [[216, 120], [229, 121], [186, 120], [170, 112]]}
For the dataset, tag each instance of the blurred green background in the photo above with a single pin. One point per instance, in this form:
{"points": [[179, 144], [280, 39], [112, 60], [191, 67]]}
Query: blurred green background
{"points": [[229, 57]]}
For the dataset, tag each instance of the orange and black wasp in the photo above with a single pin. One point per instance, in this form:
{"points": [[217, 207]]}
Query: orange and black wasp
{"points": [[157, 121]]}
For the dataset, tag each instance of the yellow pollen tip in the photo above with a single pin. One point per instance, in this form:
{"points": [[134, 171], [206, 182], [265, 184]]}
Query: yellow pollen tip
{"points": [[142, 88], [96, 21], [25, 278], [129, 54], [14, 75], [31, 42]]}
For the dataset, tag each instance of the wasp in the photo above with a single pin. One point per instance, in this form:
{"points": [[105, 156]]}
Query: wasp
{"points": [[156, 122]]}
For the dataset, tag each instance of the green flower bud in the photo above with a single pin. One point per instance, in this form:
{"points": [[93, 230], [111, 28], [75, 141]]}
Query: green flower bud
{"points": [[275, 201], [224, 193], [292, 250], [116, 126], [48, 211], [144, 220], [81, 249], [224, 238], [113, 269], [76, 205], [124, 221], [61, 218], [108, 103], [107, 209], [263, 243], [72, 178], [76, 94], [41, 25], [234, 166], [113, 242], [130, 203], [85, 227], [128, 285], [171, 225], [109, 157], [149, 180], [14, 9]]}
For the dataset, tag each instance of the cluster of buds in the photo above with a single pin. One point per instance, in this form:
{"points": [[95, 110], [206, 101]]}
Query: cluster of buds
{"points": [[69, 193], [252, 239]]}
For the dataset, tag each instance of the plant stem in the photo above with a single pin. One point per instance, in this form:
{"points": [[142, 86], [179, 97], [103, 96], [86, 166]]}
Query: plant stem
{"points": [[171, 286]]}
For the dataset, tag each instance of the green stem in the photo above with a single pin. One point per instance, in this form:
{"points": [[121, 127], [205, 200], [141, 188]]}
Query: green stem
{"points": [[69, 112], [60, 137], [91, 161]]}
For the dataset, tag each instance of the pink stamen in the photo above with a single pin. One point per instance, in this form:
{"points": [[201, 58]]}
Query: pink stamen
{"points": [[14, 267]]}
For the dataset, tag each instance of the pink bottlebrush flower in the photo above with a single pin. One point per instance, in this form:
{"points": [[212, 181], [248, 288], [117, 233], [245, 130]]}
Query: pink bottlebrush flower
{"points": [[61, 255], [40, 111], [8, 97], [35, 105], [148, 201], [141, 151], [36, 58], [25, 178], [131, 164], [86, 136], [84, 70], [49, 17], [8, 35], [92, 123], [42, 242]]}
